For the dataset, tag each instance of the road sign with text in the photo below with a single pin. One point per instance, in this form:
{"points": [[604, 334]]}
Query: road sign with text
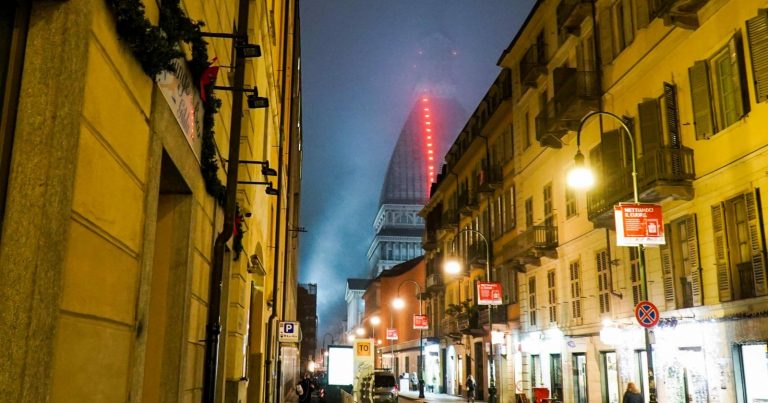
{"points": [[638, 224]]}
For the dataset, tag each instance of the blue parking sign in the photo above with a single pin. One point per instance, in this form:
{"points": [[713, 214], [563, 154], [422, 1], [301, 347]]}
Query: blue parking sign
{"points": [[289, 332]]}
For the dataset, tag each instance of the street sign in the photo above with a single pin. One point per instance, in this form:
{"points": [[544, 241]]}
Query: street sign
{"points": [[391, 333], [638, 224], [420, 322], [647, 314], [489, 293], [289, 332]]}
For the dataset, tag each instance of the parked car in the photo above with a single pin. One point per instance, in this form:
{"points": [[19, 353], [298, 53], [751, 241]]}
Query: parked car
{"points": [[385, 388]]}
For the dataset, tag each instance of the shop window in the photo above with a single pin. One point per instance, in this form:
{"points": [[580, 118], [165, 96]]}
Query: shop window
{"points": [[556, 376], [609, 377], [680, 264], [574, 270], [718, 89], [739, 247], [536, 379], [580, 378], [751, 367], [641, 371], [603, 281]]}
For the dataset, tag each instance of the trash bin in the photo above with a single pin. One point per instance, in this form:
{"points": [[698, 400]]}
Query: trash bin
{"points": [[539, 394]]}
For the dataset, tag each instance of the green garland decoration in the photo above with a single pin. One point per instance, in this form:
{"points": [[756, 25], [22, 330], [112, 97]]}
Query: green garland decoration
{"points": [[155, 47]]}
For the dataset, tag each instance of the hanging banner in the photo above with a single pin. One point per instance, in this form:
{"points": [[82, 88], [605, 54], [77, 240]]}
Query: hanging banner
{"points": [[181, 94], [489, 293], [420, 322], [638, 224], [391, 333]]}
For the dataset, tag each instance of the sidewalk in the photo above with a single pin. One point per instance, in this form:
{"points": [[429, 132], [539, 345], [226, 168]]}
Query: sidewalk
{"points": [[433, 397]]}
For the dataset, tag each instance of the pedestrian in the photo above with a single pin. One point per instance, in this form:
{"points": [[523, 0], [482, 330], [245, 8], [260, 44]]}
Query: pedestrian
{"points": [[632, 395], [471, 388], [304, 388]]}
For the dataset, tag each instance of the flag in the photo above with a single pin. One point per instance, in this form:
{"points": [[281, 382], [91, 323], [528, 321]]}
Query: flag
{"points": [[208, 77]]}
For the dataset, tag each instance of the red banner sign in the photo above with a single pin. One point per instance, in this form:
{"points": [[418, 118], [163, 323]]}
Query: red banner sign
{"points": [[391, 333], [420, 322], [489, 293], [638, 224]]}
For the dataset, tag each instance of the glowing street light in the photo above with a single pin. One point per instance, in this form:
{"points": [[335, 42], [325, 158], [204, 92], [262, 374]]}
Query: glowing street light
{"points": [[398, 303], [582, 180]]}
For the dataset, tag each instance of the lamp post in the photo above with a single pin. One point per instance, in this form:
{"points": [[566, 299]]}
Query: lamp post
{"points": [[325, 350], [398, 303], [454, 267], [375, 321], [581, 177]]}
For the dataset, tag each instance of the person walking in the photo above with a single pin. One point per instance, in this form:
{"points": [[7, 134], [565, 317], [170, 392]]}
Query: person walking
{"points": [[304, 389], [471, 385], [632, 395]]}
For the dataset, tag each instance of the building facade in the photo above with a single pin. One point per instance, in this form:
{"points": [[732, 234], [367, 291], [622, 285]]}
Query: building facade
{"points": [[148, 271], [686, 80], [306, 314]]}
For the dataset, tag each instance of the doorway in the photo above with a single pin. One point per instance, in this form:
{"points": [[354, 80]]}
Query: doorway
{"points": [[580, 378]]}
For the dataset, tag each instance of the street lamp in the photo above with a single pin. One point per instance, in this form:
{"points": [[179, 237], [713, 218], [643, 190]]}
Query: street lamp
{"points": [[582, 178], [398, 303], [452, 266], [375, 321], [325, 350]]}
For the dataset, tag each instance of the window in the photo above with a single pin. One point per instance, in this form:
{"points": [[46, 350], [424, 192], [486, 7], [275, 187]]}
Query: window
{"points": [[739, 239], [510, 210], [751, 365], [548, 207], [603, 281], [536, 379], [529, 212], [680, 264], [571, 208], [617, 29], [526, 130], [580, 378], [609, 376], [532, 301], [509, 143], [574, 270], [542, 110], [556, 376], [718, 92], [552, 296]]}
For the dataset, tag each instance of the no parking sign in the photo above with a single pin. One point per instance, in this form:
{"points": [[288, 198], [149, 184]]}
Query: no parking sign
{"points": [[647, 314]]}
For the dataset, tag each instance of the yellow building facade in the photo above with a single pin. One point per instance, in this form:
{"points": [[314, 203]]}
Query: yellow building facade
{"points": [[112, 215], [687, 78]]}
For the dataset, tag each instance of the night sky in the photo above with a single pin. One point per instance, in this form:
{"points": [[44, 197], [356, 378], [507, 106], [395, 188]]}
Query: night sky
{"points": [[359, 67]]}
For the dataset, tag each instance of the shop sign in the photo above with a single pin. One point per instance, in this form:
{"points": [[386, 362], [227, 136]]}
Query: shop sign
{"points": [[638, 224], [420, 322], [181, 94], [391, 333], [488, 293]]}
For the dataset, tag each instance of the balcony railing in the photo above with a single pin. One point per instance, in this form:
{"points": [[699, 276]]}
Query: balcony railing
{"points": [[666, 172], [576, 93], [468, 324], [490, 178], [532, 244], [434, 282], [571, 13], [533, 65], [499, 314], [449, 327], [429, 240], [467, 202], [449, 219], [680, 13]]}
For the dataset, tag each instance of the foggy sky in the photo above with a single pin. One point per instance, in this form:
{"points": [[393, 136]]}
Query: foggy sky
{"points": [[357, 66]]}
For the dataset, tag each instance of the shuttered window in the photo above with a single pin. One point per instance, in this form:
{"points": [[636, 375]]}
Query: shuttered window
{"points": [[552, 296], [606, 36], [532, 301], [757, 32], [680, 264], [718, 92], [642, 13], [635, 277], [650, 125], [738, 228], [574, 271], [603, 281]]}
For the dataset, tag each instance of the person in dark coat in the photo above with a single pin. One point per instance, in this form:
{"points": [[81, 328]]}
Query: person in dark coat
{"points": [[307, 386], [632, 395]]}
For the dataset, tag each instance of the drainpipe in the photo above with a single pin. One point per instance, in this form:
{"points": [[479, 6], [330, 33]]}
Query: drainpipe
{"points": [[276, 262], [213, 327]]}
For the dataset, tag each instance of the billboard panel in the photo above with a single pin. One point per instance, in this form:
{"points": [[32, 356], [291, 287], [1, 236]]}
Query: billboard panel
{"points": [[340, 368]]}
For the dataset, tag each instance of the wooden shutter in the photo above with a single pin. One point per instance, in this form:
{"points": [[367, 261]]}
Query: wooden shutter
{"points": [[667, 271], [606, 36], [736, 52], [642, 12], [693, 260], [702, 100], [673, 120], [755, 219], [650, 126], [721, 253], [612, 159], [757, 32]]}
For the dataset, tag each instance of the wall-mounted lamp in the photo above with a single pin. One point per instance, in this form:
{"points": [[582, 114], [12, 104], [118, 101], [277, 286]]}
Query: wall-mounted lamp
{"points": [[243, 49], [266, 170], [253, 99], [269, 190]]}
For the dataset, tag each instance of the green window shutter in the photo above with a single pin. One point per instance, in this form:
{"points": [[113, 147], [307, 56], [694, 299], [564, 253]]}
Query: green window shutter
{"points": [[721, 254], [650, 126], [693, 260], [757, 33], [606, 35], [668, 272], [736, 51], [702, 101], [642, 13], [755, 219]]}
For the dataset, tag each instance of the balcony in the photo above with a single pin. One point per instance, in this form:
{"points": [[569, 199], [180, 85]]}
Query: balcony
{"points": [[476, 253], [576, 93], [449, 220], [665, 173], [571, 13], [469, 324], [467, 203], [499, 315], [434, 282], [429, 240], [533, 65], [490, 179], [534, 243], [680, 13], [449, 327]]}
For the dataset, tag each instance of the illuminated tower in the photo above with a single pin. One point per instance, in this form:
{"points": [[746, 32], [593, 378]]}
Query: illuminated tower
{"points": [[434, 121]]}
